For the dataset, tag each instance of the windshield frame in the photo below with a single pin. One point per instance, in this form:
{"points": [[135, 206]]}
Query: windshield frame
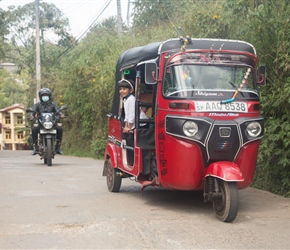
{"points": [[219, 63]]}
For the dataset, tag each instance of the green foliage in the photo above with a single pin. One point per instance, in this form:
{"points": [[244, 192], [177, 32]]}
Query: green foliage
{"points": [[11, 90], [87, 89], [152, 13], [51, 21], [3, 31], [272, 36], [207, 21], [53, 30], [54, 40]]}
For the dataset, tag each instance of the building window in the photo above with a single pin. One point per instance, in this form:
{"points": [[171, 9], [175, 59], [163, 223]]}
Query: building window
{"points": [[7, 119], [8, 135], [20, 135], [19, 119]]}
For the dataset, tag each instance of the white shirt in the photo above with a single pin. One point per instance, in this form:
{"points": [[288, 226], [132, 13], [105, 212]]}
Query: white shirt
{"points": [[129, 108]]}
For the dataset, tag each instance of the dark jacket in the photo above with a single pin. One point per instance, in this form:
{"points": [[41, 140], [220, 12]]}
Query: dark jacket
{"points": [[46, 107]]}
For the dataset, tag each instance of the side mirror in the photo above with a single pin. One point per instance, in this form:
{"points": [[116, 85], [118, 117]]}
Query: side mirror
{"points": [[63, 107], [261, 76], [151, 74], [29, 110]]}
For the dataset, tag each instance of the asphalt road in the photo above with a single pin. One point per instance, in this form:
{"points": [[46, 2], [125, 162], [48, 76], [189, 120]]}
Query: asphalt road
{"points": [[68, 206]]}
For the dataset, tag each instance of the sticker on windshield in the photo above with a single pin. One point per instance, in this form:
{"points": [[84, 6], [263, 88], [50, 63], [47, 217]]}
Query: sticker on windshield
{"points": [[239, 107]]}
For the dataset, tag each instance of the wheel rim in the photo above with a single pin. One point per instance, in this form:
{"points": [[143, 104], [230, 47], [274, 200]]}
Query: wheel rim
{"points": [[113, 180], [110, 176], [226, 206], [220, 202]]}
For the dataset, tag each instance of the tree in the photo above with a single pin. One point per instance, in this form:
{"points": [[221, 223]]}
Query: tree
{"points": [[54, 40], [150, 13], [270, 30], [51, 21], [53, 30], [11, 90], [87, 76], [3, 31]]}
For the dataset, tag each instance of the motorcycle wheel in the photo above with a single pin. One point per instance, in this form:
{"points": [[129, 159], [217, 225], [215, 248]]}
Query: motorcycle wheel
{"points": [[113, 180], [226, 206], [49, 152]]}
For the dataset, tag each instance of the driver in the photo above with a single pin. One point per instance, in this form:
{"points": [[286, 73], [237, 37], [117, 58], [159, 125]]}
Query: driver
{"points": [[45, 106], [188, 80]]}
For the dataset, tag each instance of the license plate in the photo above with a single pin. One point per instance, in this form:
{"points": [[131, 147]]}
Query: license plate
{"points": [[238, 107], [52, 131]]}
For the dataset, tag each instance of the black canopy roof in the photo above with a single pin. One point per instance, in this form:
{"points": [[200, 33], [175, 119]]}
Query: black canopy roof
{"points": [[132, 57]]}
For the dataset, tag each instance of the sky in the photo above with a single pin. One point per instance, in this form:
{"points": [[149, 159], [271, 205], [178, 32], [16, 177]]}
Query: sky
{"points": [[81, 13]]}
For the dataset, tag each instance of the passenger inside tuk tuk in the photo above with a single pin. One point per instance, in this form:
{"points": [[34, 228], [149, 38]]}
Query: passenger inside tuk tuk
{"points": [[126, 90], [177, 79]]}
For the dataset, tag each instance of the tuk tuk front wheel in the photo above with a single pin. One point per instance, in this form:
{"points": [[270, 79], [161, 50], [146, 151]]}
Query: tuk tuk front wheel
{"points": [[113, 179], [226, 204]]}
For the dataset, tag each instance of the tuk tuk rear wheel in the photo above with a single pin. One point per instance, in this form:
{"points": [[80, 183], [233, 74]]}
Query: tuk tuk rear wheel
{"points": [[226, 205], [113, 179]]}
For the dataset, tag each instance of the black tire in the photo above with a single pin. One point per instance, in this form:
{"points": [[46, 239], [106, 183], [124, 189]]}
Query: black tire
{"points": [[226, 207], [45, 160], [113, 180], [49, 152]]}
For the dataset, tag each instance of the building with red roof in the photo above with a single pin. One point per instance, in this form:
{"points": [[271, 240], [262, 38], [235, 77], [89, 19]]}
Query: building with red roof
{"points": [[12, 128]]}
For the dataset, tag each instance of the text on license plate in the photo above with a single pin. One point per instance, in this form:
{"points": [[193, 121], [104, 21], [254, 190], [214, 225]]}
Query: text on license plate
{"points": [[239, 107]]}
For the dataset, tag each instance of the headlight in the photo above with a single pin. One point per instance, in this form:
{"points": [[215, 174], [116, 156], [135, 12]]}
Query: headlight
{"points": [[47, 125], [190, 128], [254, 129]]}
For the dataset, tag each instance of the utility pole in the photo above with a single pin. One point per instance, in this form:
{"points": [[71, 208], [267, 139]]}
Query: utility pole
{"points": [[37, 45], [119, 17], [128, 14]]}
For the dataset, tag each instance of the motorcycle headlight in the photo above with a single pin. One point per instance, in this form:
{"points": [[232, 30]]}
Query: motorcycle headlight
{"points": [[254, 129], [190, 128], [47, 125]]}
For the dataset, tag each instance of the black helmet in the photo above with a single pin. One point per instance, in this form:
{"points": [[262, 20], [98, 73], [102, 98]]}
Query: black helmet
{"points": [[44, 91]]}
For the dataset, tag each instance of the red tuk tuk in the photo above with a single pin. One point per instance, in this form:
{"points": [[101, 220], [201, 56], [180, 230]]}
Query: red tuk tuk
{"points": [[202, 100]]}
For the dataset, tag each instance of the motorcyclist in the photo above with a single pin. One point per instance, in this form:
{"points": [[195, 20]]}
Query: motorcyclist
{"points": [[46, 106]]}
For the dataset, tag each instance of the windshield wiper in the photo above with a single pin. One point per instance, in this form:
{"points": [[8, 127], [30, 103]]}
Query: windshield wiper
{"points": [[242, 85]]}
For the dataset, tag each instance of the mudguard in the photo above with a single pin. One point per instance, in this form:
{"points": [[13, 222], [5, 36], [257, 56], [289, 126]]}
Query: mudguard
{"points": [[225, 170], [111, 153]]}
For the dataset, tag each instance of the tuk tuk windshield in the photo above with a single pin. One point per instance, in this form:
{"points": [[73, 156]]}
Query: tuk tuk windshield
{"points": [[181, 79]]}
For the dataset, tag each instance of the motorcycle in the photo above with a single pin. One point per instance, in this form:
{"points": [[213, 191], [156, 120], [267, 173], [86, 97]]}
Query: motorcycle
{"points": [[46, 141], [202, 97]]}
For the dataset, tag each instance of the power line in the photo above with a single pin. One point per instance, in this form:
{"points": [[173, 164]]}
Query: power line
{"points": [[95, 20], [87, 28], [75, 8]]}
